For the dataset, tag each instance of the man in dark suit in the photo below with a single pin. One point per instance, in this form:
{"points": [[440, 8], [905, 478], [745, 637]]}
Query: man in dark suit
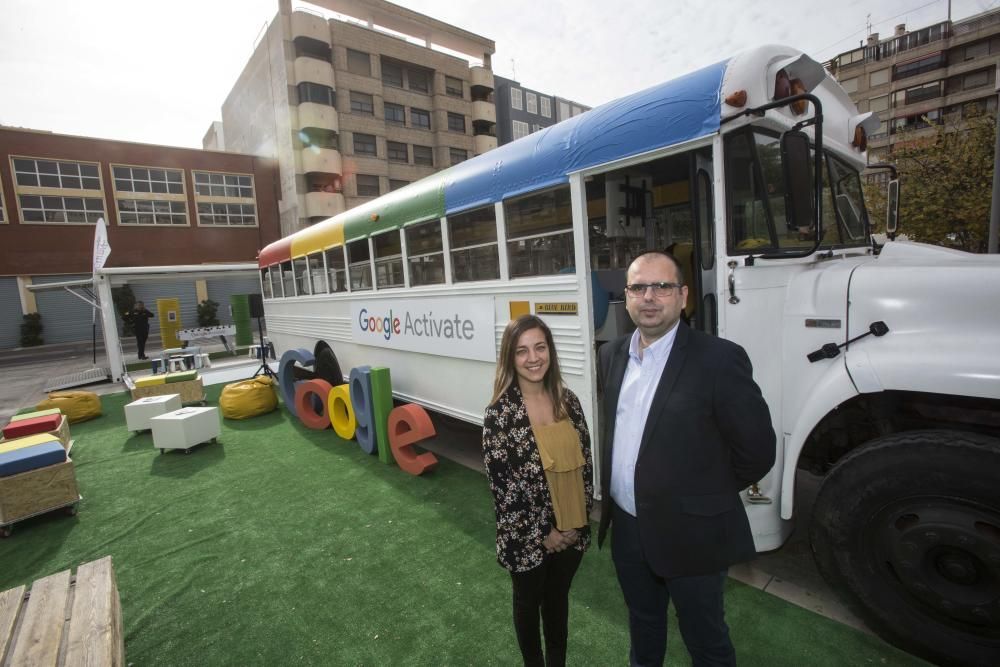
{"points": [[685, 430]]}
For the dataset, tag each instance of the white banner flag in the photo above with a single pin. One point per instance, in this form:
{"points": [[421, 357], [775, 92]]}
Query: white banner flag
{"points": [[101, 246]]}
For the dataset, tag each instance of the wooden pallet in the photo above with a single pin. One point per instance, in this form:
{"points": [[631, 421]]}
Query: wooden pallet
{"points": [[64, 620], [37, 491]]}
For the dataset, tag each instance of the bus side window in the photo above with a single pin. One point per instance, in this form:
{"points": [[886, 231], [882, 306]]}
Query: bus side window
{"points": [[359, 268], [336, 271], [540, 233], [265, 284], [287, 279], [425, 253], [472, 237], [388, 259]]}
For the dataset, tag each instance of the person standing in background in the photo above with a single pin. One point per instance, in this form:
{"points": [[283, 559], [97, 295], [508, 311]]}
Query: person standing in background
{"points": [[139, 317]]}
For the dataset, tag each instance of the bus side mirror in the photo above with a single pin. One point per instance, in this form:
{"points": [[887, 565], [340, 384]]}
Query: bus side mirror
{"points": [[892, 208], [798, 173]]}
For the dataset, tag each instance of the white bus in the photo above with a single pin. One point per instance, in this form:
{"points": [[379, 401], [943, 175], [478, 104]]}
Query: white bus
{"points": [[748, 172]]}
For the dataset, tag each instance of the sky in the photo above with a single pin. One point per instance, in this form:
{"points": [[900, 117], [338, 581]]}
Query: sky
{"points": [[157, 73]]}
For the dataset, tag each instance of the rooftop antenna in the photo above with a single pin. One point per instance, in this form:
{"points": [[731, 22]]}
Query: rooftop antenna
{"points": [[869, 24], [513, 70]]}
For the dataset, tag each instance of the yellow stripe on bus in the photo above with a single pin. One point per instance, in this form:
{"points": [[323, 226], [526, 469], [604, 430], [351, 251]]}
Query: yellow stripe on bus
{"points": [[318, 237]]}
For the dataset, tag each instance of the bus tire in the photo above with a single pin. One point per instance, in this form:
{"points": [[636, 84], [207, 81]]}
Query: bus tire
{"points": [[908, 526], [327, 367]]}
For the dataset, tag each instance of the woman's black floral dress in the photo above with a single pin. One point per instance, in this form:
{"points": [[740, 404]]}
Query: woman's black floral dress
{"points": [[520, 493]]}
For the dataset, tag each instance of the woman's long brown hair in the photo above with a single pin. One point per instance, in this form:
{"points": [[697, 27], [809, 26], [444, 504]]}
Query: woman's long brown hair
{"points": [[507, 374]]}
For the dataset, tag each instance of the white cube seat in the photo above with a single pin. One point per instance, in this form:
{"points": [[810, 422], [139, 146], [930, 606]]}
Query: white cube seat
{"points": [[138, 413], [185, 428]]}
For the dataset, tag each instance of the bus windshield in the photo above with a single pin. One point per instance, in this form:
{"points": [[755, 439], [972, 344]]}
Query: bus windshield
{"points": [[755, 195]]}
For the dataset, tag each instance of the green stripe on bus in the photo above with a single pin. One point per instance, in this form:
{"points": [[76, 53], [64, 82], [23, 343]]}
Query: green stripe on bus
{"points": [[418, 201]]}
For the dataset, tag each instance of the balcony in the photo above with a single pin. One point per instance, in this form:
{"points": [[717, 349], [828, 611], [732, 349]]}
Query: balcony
{"points": [[314, 71], [321, 160], [310, 25], [484, 111], [322, 116], [324, 204], [483, 143], [481, 77]]}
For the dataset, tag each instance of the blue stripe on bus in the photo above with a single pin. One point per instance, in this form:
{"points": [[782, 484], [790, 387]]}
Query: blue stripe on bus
{"points": [[664, 115]]}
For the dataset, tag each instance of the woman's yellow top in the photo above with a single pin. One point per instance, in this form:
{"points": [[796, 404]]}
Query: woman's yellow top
{"points": [[562, 459]]}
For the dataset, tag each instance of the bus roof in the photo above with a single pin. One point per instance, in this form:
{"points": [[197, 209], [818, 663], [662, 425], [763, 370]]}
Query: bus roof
{"points": [[670, 113]]}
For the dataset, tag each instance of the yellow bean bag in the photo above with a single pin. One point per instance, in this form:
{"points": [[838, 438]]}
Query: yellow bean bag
{"points": [[248, 398], [78, 406]]}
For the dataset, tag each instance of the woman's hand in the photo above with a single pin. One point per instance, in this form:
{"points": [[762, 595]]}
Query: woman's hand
{"points": [[557, 541]]}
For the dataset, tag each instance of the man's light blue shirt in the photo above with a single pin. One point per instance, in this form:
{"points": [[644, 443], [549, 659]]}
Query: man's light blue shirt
{"points": [[642, 375]]}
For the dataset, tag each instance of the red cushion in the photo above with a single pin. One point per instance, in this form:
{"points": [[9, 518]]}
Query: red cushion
{"points": [[24, 427]]}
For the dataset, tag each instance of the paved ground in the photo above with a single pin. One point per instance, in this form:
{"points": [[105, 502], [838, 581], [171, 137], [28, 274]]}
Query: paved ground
{"points": [[788, 573]]}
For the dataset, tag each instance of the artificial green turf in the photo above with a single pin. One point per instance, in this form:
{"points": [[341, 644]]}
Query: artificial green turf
{"points": [[280, 545]]}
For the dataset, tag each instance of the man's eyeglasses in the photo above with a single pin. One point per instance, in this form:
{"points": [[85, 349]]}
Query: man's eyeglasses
{"points": [[637, 290]]}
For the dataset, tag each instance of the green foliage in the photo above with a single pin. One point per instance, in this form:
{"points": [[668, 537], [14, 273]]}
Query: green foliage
{"points": [[31, 330], [124, 301], [946, 181], [207, 311]]}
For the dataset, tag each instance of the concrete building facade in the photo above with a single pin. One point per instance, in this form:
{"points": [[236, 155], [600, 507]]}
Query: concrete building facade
{"points": [[918, 77], [352, 109], [163, 205], [521, 111]]}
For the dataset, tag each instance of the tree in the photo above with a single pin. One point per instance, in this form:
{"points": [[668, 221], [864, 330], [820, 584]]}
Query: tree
{"points": [[207, 310], [946, 181]]}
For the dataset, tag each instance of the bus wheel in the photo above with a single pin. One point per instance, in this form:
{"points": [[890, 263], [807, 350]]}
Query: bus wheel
{"points": [[909, 527], [327, 367]]}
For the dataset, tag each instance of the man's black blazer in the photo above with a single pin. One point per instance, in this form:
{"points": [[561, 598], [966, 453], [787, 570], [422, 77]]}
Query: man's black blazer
{"points": [[708, 436]]}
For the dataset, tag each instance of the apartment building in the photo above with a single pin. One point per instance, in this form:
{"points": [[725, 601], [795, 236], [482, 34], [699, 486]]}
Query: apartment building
{"points": [[916, 77], [521, 111], [357, 104], [163, 205]]}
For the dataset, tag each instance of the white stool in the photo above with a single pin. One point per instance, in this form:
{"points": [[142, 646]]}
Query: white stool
{"points": [[185, 428], [138, 413], [175, 364]]}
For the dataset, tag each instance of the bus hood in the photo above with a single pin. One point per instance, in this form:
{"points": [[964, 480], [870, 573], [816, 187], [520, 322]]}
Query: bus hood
{"points": [[944, 324]]}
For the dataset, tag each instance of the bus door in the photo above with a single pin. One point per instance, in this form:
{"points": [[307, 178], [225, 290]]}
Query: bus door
{"points": [[702, 308]]}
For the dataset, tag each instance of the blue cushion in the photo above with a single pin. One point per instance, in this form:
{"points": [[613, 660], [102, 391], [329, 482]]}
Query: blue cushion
{"points": [[30, 458]]}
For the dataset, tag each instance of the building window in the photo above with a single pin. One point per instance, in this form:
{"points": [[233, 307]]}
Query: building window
{"points": [[388, 259], [456, 122], [364, 144], [359, 265], [878, 78], [133, 187], [539, 233], [458, 155], [423, 155], [396, 184], [225, 199], [977, 50], [520, 129], [420, 118], [36, 208], [878, 104], [317, 93], [418, 80], [397, 152], [850, 85], [531, 102], [395, 114], [453, 86], [425, 253], [367, 185], [317, 137], [563, 111], [3, 212], [146, 179], [158, 212], [918, 66], [392, 74], [536, 127], [515, 99], [52, 174], [546, 107], [308, 47], [928, 91], [362, 103], [472, 238], [359, 62], [976, 79], [883, 129]]}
